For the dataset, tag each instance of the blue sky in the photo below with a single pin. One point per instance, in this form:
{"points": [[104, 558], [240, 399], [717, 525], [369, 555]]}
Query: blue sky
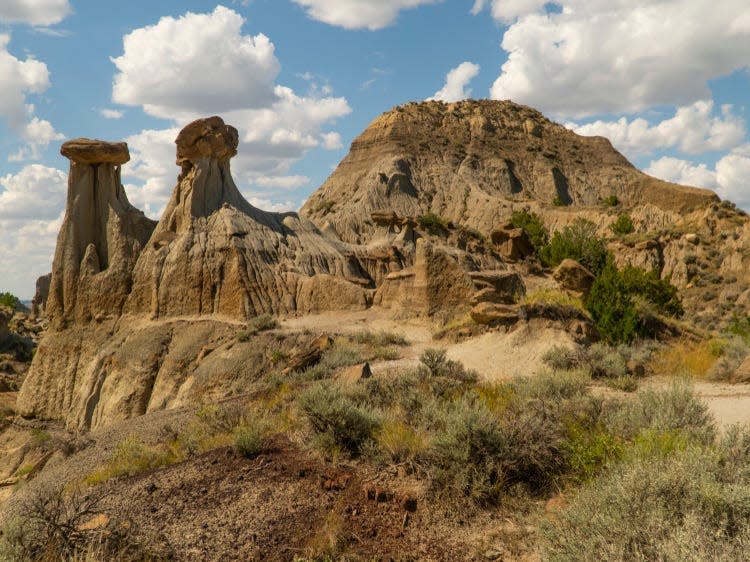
{"points": [[667, 81]]}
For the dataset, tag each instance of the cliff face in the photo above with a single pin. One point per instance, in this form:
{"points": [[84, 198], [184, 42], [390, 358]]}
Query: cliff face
{"points": [[471, 161], [119, 282], [144, 316]]}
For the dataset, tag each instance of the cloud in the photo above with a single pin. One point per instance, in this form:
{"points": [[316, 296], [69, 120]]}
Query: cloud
{"points": [[281, 182], [111, 113], [693, 129], [596, 57], [35, 192], [197, 63], [457, 82], [507, 11], [32, 204], [729, 178], [152, 166], [359, 14], [19, 79], [276, 128], [34, 12]]}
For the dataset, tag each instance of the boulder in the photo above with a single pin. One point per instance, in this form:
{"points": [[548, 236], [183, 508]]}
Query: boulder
{"points": [[385, 217], [512, 243], [573, 277], [508, 286], [742, 373], [492, 313], [354, 373], [309, 356]]}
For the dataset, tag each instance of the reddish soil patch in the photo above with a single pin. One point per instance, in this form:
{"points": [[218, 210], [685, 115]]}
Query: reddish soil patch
{"points": [[283, 504]]}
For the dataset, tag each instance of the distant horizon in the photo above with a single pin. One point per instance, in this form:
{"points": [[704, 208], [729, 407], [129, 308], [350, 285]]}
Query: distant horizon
{"points": [[301, 79]]}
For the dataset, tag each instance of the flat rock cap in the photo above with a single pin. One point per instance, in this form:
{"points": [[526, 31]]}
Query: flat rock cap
{"points": [[209, 137], [92, 151]]}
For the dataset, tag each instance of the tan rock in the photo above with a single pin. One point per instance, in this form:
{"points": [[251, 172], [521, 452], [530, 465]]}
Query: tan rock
{"points": [[742, 373], [354, 373], [399, 163], [206, 138], [491, 313], [573, 277], [507, 284], [41, 295], [88, 151], [100, 239], [513, 243]]}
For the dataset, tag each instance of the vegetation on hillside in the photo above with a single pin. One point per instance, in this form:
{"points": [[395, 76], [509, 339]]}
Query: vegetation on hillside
{"points": [[577, 241]]}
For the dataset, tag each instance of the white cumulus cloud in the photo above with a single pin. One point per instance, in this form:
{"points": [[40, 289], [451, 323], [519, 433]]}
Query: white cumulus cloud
{"points": [[197, 63], [19, 79], [594, 57], [108, 113], [693, 129], [276, 126], [457, 83], [730, 178], [32, 203], [34, 12], [359, 14]]}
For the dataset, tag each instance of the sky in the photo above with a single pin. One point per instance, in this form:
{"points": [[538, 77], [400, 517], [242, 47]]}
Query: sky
{"points": [[668, 81]]}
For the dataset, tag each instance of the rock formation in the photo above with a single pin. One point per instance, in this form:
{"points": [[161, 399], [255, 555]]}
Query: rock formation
{"points": [[116, 347], [100, 239], [145, 316], [214, 253], [471, 161], [41, 295]]}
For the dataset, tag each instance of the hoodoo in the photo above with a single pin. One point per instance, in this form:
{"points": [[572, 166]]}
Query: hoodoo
{"points": [[101, 236], [214, 253]]}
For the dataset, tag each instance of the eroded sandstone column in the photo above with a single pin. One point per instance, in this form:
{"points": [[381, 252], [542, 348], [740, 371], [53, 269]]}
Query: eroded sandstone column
{"points": [[100, 238]]}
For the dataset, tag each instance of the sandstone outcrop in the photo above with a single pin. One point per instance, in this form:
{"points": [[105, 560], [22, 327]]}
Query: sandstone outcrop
{"points": [[513, 243], [214, 253], [574, 278], [471, 161], [211, 254], [41, 295], [100, 239]]}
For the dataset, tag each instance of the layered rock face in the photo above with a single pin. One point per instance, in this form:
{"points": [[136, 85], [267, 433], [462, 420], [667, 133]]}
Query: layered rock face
{"points": [[116, 347], [471, 161], [100, 239], [214, 253]]}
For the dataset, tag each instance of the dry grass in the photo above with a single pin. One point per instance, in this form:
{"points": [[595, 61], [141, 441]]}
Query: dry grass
{"points": [[552, 297], [684, 358]]}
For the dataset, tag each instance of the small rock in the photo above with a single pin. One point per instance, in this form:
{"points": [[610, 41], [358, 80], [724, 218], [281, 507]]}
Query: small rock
{"points": [[492, 313], [355, 373], [573, 277]]}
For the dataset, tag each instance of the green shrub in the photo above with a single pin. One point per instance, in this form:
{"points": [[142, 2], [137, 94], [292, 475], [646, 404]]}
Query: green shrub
{"points": [[579, 242], [612, 305], [559, 202], [673, 409], [674, 507], [534, 227], [380, 339], [439, 365], [623, 225], [611, 201], [465, 453], [434, 224], [248, 437], [10, 300], [336, 420]]}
